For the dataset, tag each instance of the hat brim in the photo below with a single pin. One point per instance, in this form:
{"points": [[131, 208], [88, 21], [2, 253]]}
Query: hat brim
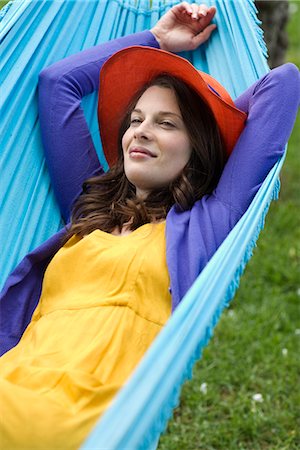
{"points": [[128, 70]]}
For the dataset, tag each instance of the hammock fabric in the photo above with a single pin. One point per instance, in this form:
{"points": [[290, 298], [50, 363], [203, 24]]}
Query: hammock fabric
{"points": [[35, 34]]}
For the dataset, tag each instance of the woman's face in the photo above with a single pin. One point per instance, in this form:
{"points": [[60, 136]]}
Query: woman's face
{"points": [[156, 145]]}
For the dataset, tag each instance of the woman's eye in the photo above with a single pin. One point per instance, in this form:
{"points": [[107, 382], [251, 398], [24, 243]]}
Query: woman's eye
{"points": [[135, 120], [168, 124]]}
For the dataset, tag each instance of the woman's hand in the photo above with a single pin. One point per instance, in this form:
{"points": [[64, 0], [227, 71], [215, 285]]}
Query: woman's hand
{"points": [[184, 27]]}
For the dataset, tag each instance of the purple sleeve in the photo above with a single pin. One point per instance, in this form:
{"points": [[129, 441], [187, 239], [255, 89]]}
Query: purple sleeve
{"points": [[271, 104], [69, 150]]}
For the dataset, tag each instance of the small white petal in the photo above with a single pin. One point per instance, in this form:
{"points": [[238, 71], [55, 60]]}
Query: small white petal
{"points": [[203, 388], [297, 331], [258, 398], [298, 292], [231, 313], [284, 351], [293, 8]]}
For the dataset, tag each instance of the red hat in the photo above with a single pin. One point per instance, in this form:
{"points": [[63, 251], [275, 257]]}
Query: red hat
{"points": [[128, 70]]}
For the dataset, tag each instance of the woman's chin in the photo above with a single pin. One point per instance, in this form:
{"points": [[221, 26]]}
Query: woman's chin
{"points": [[142, 188]]}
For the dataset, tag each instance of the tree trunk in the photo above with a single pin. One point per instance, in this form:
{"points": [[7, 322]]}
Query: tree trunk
{"points": [[274, 15]]}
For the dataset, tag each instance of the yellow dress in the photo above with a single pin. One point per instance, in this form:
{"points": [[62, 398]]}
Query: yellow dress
{"points": [[104, 300]]}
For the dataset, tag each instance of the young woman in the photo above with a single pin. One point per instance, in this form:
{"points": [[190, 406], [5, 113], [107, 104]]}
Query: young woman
{"points": [[185, 164]]}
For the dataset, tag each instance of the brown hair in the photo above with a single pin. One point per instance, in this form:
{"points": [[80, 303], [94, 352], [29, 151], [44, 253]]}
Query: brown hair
{"points": [[109, 201]]}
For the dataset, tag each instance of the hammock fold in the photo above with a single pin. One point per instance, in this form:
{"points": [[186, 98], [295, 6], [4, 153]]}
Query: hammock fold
{"points": [[35, 34]]}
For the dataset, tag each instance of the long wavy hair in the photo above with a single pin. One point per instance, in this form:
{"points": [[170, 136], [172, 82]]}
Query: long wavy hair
{"points": [[109, 201]]}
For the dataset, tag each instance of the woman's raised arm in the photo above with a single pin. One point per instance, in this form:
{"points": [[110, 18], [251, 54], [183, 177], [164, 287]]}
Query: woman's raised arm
{"points": [[271, 104], [69, 150]]}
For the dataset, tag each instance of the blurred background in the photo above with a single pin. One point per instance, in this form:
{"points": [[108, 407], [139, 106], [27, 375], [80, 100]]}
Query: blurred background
{"points": [[274, 15]]}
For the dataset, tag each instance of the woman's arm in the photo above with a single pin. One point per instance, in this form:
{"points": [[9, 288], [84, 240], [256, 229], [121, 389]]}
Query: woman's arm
{"points": [[271, 104], [69, 150]]}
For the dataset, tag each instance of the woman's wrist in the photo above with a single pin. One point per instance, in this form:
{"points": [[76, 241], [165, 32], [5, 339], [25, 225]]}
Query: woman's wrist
{"points": [[158, 38]]}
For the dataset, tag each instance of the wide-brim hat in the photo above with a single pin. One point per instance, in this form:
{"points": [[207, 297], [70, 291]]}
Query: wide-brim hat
{"points": [[128, 70]]}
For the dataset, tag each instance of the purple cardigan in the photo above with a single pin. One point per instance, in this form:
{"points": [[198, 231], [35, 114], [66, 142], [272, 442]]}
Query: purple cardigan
{"points": [[192, 236]]}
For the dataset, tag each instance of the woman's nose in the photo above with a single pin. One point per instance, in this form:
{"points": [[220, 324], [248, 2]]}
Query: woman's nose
{"points": [[143, 131]]}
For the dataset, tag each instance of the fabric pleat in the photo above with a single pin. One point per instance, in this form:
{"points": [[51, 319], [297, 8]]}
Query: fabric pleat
{"points": [[35, 34]]}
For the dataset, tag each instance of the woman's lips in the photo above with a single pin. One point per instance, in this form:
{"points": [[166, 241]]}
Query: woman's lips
{"points": [[141, 152]]}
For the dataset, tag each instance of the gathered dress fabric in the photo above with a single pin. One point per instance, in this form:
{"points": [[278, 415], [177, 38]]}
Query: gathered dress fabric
{"points": [[104, 296]]}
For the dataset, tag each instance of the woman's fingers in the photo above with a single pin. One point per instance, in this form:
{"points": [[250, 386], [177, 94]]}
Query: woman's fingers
{"points": [[194, 10], [183, 26], [183, 7], [203, 36], [199, 11]]}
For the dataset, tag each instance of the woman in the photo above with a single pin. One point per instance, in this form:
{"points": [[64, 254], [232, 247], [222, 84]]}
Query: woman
{"points": [[100, 290]]}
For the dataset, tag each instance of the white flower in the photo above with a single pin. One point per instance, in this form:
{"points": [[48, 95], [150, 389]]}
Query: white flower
{"points": [[258, 398], [293, 8], [297, 332], [298, 292], [284, 351], [231, 313], [203, 388]]}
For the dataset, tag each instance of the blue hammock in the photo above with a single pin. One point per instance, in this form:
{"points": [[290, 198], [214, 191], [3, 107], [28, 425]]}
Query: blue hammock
{"points": [[35, 34]]}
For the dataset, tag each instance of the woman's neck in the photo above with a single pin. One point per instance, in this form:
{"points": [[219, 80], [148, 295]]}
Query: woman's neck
{"points": [[125, 230]]}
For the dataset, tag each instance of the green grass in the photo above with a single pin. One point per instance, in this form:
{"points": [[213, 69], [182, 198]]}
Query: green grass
{"points": [[3, 2], [256, 344]]}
